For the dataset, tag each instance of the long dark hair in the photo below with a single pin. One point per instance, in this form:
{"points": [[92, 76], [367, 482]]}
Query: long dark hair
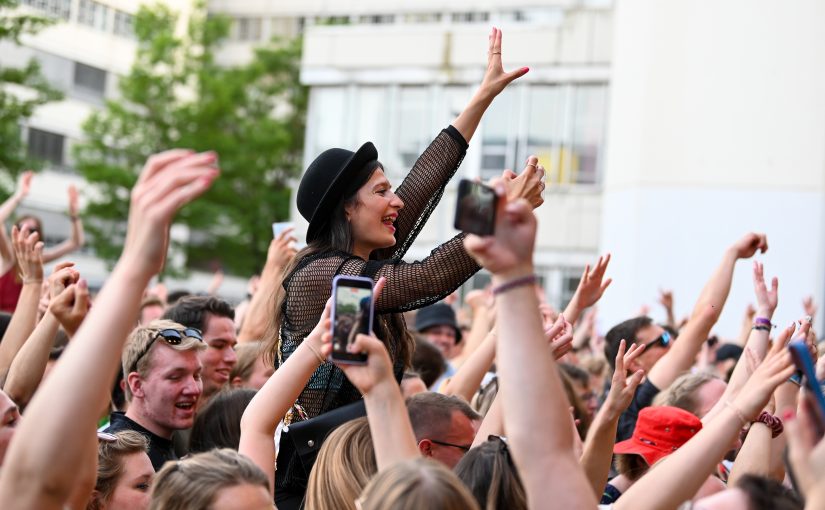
{"points": [[335, 235], [489, 473]]}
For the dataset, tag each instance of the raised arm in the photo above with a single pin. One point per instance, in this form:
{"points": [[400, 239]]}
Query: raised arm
{"points": [[681, 355], [531, 391], [6, 210], [30, 363], [29, 255], [467, 379], [390, 426], [77, 238], [269, 406], [601, 436], [681, 474], [39, 469], [256, 320]]}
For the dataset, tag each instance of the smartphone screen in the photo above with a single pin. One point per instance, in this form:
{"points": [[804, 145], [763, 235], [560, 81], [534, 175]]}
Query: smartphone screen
{"points": [[280, 226], [475, 211], [352, 313], [804, 362]]}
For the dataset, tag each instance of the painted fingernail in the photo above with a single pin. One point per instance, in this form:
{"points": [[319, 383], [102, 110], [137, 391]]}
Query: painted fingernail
{"points": [[788, 414]]}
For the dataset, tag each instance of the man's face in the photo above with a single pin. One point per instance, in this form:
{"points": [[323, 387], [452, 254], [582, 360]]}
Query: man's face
{"points": [[442, 337], [219, 356], [652, 353], [170, 391], [587, 396], [461, 432], [9, 417]]}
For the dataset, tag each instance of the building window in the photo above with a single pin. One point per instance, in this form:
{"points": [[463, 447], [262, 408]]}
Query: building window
{"points": [[563, 125], [248, 29], [124, 24], [377, 19], [57, 8], [89, 79], [93, 14], [422, 17], [471, 17], [46, 146], [413, 121]]}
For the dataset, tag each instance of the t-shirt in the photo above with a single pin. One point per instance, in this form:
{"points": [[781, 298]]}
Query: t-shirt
{"points": [[644, 396], [160, 448]]}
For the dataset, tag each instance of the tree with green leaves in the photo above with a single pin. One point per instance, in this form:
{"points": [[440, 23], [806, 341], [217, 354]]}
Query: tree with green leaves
{"points": [[22, 90], [177, 95]]}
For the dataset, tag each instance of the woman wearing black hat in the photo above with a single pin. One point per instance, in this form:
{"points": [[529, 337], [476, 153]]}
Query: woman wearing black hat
{"points": [[359, 226]]}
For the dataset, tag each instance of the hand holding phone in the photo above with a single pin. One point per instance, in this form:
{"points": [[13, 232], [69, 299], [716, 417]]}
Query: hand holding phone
{"points": [[352, 314], [476, 208]]}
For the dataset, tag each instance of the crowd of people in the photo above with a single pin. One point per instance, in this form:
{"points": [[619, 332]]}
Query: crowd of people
{"points": [[493, 400]]}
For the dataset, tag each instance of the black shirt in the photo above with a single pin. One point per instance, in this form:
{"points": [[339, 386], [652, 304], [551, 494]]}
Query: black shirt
{"points": [[160, 448], [643, 397]]}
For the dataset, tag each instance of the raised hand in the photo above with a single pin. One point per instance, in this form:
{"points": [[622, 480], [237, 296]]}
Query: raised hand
{"points": [[560, 337], [74, 207], [378, 368], [746, 247], [28, 250], [776, 368], [62, 276], [809, 306], [169, 180], [529, 184], [592, 283], [666, 299], [25, 184], [766, 300], [623, 388], [281, 249], [71, 306], [510, 251], [495, 78]]}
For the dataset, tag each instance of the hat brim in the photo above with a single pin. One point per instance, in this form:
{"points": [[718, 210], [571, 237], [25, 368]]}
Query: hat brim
{"points": [[335, 189], [436, 322], [647, 452]]}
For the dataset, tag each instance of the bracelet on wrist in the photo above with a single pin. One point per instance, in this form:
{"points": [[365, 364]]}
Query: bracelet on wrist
{"points": [[27, 281], [772, 422], [316, 353], [762, 321], [515, 283], [761, 328]]}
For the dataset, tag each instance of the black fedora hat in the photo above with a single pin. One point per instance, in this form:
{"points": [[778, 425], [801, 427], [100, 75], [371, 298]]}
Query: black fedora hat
{"points": [[325, 182]]}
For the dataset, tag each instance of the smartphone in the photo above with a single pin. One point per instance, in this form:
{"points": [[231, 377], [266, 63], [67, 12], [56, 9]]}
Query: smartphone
{"points": [[280, 226], [352, 314], [475, 210], [805, 364]]}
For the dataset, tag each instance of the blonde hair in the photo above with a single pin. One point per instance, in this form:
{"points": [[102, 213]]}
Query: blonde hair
{"points": [[195, 481], [414, 484], [247, 354], [110, 456], [135, 353], [682, 393], [345, 465]]}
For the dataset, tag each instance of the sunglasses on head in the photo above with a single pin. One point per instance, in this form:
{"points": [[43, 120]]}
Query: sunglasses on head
{"points": [[172, 337], [664, 340]]}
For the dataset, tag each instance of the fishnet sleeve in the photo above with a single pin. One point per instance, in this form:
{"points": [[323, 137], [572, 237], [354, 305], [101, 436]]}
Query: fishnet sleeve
{"points": [[423, 188]]}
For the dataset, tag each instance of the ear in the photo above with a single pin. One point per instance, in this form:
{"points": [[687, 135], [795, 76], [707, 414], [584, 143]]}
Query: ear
{"points": [[425, 447], [135, 384], [236, 382]]}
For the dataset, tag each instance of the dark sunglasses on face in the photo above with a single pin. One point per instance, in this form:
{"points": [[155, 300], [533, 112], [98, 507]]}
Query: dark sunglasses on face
{"points": [[172, 337], [663, 341], [444, 443]]}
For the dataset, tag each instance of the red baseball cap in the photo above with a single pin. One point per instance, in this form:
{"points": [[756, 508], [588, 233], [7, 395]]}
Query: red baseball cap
{"points": [[659, 432]]}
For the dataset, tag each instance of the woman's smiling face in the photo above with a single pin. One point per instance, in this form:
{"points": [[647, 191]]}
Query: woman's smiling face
{"points": [[373, 215]]}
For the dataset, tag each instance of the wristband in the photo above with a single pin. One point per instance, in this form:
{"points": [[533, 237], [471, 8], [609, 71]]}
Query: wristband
{"points": [[772, 422], [761, 328], [512, 284], [762, 321]]}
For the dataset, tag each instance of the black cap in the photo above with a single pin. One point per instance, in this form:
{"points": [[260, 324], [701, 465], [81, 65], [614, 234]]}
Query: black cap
{"points": [[439, 314]]}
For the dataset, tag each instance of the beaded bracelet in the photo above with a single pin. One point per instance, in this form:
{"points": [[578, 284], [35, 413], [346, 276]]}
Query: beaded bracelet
{"points": [[512, 284]]}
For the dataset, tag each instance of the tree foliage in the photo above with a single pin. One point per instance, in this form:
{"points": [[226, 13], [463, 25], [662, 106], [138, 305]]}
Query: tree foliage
{"points": [[22, 90], [177, 95]]}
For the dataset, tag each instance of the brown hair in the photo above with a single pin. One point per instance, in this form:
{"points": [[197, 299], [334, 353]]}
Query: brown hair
{"points": [[490, 474], [345, 464], [195, 481], [110, 456], [247, 353], [414, 484], [432, 413], [631, 465]]}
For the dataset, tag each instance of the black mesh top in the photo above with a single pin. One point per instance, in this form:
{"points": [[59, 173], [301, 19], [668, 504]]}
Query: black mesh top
{"points": [[409, 285]]}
